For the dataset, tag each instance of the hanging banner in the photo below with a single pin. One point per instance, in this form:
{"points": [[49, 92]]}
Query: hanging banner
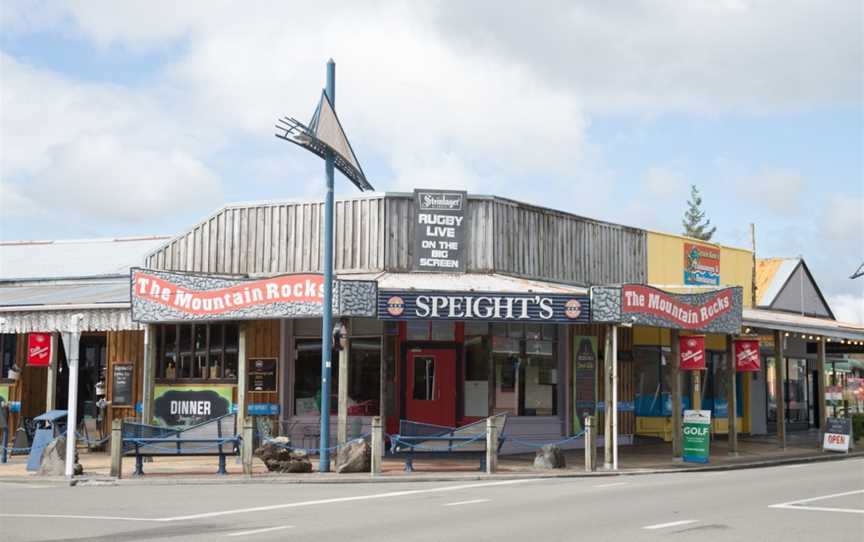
{"points": [[584, 380], [485, 306], [747, 355], [719, 311], [701, 264], [39, 349], [696, 435], [164, 296], [692, 352], [439, 230]]}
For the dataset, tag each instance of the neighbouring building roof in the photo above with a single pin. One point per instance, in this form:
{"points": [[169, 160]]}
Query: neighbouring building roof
{"points": [[786, 284], [796, 323], [77, 258]]}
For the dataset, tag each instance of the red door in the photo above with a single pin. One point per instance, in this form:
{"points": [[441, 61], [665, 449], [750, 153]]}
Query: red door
{"points": [[431, 387]]}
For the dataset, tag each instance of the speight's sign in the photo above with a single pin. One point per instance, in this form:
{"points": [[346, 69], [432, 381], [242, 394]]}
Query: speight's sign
{"points": [[412, 305], [719, 311], [163, 296]]}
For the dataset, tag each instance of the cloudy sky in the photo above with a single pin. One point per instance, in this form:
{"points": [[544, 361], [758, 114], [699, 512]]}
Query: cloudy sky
{"points": [[136, 118]]}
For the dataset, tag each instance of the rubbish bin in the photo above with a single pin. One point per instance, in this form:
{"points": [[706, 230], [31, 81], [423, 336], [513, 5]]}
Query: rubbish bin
{"points": [[49, 426]]}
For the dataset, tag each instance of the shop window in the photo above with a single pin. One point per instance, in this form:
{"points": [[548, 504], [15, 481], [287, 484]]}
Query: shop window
{"points": [[197, 351], [364, 384], [424, 379], [8, 341], [436, 330], [364, 379], [525, 369], [476, 377]]}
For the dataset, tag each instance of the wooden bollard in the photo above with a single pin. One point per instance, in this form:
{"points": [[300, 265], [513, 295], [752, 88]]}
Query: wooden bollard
{"points": [[117, 448]]}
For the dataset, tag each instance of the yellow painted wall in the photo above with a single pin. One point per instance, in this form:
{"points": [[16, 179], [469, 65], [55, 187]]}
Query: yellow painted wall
{"points": [[666, 264]]}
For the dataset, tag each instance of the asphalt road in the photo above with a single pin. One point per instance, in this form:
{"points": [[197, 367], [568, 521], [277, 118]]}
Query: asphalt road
{"points": [[814, 501]]}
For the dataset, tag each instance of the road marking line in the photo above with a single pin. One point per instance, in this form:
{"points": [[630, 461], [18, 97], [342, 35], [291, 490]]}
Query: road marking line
{"points": [[72, 516], [796, 505], [797, 465], [257, 531], [372, 496], [352, 499], [616, 484], [475, 501], [819, 509], [670, 524]]}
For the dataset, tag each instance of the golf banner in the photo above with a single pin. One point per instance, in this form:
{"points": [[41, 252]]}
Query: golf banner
{"points": [[696, 435]]}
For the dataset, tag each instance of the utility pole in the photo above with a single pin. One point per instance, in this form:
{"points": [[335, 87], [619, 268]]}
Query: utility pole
{"points": [[327, 317]]}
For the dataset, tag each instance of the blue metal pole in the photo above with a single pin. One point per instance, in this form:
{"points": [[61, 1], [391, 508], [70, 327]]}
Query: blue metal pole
{"points": [[327, 319]]}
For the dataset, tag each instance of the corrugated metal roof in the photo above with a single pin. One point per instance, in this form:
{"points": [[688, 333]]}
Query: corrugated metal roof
{"points": [[57, 294], [28, 260], [795, 323], [771, 275]]}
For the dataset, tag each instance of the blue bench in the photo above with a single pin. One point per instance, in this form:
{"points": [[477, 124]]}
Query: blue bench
{"points": [[216, 437], [416, 440]]}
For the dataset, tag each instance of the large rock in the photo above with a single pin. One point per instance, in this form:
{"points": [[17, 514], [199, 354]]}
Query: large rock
{"points": [[279, 457], [53, 460], [550, 457], [355, 456]]}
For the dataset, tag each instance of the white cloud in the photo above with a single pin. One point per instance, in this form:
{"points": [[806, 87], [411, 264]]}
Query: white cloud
{"points": [[95, 152], [848, 307], [775, 189], [842, 223], [666, 183]]}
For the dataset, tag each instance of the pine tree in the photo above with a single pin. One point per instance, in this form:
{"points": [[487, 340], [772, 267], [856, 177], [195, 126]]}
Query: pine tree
{"points": [[695, 224]]}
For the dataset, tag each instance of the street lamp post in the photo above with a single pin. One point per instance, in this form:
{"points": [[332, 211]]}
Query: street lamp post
{"points": [[324, 137], [327, 318]]}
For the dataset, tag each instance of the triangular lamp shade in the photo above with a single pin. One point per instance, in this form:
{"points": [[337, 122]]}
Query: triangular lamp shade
{"points": [[323, 134]]}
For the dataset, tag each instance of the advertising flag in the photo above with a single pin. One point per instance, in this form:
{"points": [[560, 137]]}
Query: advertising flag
{"points": [[692, 353], [39, 349], [747, 355]]}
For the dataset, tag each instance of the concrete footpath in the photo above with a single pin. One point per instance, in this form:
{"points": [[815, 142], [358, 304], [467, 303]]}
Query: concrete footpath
{"points": [[647, 457]]}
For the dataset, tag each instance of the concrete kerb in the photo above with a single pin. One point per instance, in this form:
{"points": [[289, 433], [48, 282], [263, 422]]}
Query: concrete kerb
{"points": [[157, 480]]}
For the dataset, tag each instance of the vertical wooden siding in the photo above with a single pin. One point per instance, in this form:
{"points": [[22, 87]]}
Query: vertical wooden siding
{"points": [[278, 238], [377, 234], [540, 243], [125, 347]]}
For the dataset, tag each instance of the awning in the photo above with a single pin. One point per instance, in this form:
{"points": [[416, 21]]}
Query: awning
{"points": [[66, 305], [795, 323]]}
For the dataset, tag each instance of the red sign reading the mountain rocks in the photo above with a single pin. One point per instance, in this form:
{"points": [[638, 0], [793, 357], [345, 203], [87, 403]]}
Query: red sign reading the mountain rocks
{"points": [[645, 300], [307, 288]]}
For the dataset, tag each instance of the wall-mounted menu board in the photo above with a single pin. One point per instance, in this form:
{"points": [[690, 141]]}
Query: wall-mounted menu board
{"points": [[262, 374], [122, 384]]}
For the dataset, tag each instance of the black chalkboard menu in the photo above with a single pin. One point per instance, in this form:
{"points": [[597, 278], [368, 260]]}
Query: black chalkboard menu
{"points": [[262, 374], [122, 384]]}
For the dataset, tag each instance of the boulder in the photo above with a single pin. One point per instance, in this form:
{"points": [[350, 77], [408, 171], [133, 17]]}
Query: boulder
{"points": [[53, 460], [279, 457], [355, 456], [550, 457]]}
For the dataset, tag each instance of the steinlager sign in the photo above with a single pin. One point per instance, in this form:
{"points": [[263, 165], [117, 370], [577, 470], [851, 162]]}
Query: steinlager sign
{"points": [[696, 435]]}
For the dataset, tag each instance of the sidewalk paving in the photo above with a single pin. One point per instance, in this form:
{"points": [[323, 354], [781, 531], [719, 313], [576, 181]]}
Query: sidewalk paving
{"points": [[647, 456]]}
